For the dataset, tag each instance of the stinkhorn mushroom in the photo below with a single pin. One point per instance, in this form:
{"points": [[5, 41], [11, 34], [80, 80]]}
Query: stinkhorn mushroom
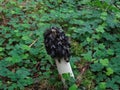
{"points": [[58, 47]]}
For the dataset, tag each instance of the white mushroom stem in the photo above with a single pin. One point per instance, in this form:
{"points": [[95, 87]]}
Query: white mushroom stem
{"points": [[64, 67]]}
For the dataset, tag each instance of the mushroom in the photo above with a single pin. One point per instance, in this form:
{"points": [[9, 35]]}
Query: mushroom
{"points": [[58, 47]]}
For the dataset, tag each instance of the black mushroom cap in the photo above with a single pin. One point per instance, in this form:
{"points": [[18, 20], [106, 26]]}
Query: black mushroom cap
{"points": [[57, 44]]}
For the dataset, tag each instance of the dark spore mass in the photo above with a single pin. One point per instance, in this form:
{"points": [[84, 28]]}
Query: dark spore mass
{"points": [[57, 44]]}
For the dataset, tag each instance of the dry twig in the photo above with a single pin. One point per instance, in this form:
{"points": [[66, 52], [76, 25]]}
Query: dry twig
{"points": [[79, 78], [33, 42]]}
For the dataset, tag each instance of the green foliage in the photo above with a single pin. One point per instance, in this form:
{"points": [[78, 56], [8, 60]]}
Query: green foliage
{"points": [[73, 87], [93, 26]]}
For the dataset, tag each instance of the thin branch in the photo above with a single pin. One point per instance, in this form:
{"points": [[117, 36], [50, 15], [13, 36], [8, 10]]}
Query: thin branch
{"points": [[33, 42], [4, 20], [79, 78]]}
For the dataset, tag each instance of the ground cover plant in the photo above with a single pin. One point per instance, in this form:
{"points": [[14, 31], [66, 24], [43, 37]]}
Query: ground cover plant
{"points": [[93, 27]]}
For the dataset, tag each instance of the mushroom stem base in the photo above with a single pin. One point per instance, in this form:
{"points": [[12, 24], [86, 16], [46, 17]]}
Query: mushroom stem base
{"points": [[64, 67]]}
